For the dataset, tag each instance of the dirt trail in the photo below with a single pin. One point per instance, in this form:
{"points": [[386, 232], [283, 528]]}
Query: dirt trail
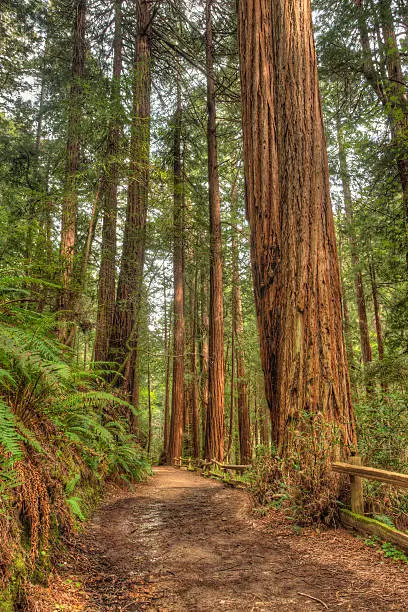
{"points": [[182, 542]]}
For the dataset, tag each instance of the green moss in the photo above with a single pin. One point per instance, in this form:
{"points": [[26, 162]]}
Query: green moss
{"points": [[6, 600], [369, 521]]}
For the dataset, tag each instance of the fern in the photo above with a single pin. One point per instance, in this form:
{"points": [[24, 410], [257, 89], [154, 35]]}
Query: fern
{"points": [[10, 439], [74, 504]]}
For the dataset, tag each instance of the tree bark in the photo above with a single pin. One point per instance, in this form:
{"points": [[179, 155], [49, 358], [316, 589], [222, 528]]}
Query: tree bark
{"points": [[376, 303], [110, 181], [293, 245], [177, 403], [204, 353], [366, 352], [214, 438], [125, 332], [167, 347], [244, 425], [195, 413], [69, 200]]}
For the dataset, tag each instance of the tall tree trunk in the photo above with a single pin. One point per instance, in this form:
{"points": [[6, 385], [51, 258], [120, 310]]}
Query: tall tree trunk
{"points": [[232, 399], [123, 347], [366, 352], [214, 438], [167, 348], [90, 235], [69, 200], [346, 313], [110, 181], [195, 413], [293, 245], [244, 425], [398, 101], [378, 325], [149, 402], [204, 353], [391, 91], [177, 400]]}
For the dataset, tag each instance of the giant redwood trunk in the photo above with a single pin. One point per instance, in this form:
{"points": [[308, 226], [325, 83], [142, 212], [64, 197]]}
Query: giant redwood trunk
{"points": [[177, 401], [69, 201], [214, 438], [293, 246], [110, 180], [125, 332]]}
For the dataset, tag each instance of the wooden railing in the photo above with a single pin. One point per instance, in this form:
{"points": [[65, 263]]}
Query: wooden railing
{"points": [[227, 470], [356, 518], [353, 468]]}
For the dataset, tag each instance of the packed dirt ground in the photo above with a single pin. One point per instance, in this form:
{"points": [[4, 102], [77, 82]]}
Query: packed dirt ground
{"points": [[182, 542]]}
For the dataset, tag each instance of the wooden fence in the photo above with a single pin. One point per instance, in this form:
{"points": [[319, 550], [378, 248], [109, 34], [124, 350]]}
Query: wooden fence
{"points": [[225, 471], [356, 518], [353, 520]]}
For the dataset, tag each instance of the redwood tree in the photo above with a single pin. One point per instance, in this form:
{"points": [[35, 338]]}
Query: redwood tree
{"points": [[125, 332], [214, 438], [293, 246], [69, 201], [110, 180], [244, 426], [177, 401]]}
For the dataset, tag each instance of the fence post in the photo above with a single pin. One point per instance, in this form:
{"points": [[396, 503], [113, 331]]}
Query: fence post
{"points": [[357, 497]]}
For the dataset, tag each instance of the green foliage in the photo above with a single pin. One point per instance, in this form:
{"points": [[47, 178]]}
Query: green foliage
{"points": [[382, 422], [74, 504], [61, 431], [391, 552]]}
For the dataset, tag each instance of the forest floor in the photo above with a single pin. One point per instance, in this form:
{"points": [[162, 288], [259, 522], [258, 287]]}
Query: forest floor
{"points": [[181, 542]]}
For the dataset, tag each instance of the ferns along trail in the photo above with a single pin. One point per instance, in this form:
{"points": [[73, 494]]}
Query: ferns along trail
{"points": [[203, 305]]}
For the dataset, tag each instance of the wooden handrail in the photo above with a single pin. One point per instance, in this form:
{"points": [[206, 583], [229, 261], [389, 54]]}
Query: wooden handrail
{"points": [[392, 478], [226, 466]]}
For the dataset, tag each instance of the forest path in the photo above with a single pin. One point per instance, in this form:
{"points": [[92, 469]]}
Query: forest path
{"points": [[182, 542]]}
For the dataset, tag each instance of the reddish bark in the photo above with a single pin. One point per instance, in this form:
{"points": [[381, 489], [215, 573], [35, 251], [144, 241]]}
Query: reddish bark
{"points": [[177, 404], [107, 272], [69, 202], [123, 347], [293, 246], [214, 438]]}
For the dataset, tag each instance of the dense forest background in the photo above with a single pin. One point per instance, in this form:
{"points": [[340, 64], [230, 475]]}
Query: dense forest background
{"points": [[116, 117]]}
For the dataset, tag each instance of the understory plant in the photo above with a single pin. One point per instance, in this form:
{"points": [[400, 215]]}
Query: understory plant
{"points": [[62, 433]]}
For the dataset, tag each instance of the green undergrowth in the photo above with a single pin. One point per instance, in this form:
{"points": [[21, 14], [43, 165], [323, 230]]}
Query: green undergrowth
{"points": [[62, 436], [301, 483]]}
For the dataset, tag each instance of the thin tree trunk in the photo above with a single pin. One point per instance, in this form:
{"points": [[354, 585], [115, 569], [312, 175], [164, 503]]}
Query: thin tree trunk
{"points": [[167, 345], [177, 401], [107, 272], [69, 200], [392, 93], [86, 254], [123, 347], [366, 352], [204, 353], [293, 245], [244, 425], [195, 413], [149, 402], [378, 324], [214, 439], [232, 397]]}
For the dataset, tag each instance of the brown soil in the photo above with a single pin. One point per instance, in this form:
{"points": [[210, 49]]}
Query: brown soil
{"points": [[182, 542]]}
